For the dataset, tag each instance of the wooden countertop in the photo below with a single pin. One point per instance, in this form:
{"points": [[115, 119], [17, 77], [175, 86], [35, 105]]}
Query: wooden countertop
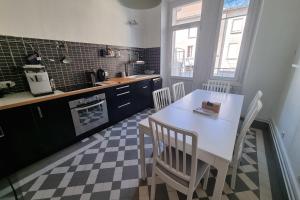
{"points": [[25, 98]]}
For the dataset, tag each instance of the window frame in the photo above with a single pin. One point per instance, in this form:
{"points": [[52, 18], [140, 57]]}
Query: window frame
{"points": [[189, 51], [252, 16], [205, 55], [173, 28]]}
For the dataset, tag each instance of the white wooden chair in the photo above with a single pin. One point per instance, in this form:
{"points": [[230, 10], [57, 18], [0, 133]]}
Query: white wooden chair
{"points": [[177, 166], [161, 98], [178, 90], [238, 149], [257, 97], [217, 86]]}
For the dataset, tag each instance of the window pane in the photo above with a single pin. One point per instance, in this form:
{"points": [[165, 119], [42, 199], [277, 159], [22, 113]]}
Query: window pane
{"points": [[183, 52], [187, 13], [230, 37]]}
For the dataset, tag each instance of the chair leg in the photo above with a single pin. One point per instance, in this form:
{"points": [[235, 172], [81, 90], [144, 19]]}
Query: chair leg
{"points": [[153, 184], [234, 173], [206, 178], [190, 195]]}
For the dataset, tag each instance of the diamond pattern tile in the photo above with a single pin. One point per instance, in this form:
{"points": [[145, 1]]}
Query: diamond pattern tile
{"points": [[111, 170]]}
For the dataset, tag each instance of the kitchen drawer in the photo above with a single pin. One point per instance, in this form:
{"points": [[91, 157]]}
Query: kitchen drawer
{"points": [[122, 88], [144, 83], [121, 98], [121, 110]]}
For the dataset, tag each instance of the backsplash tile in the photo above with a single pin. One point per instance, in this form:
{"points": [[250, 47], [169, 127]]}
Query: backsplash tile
{"points": [[84, 57], [152, 59]]}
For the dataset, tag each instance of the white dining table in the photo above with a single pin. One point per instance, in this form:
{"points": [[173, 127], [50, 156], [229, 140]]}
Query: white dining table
{"points": [[216, 134]]}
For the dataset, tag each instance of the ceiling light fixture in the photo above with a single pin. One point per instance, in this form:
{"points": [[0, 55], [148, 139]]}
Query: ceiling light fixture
{"points": [[140, 4]]}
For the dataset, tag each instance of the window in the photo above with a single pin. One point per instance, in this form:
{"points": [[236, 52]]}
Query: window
{"points": [[192, 33], [211, 41], [184, 34], [187, 13], [233, 51], [237, 25], [230, 38], [190, 51]]}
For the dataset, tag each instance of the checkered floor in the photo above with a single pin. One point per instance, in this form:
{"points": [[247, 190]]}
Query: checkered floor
{"points": [[110, 170]]}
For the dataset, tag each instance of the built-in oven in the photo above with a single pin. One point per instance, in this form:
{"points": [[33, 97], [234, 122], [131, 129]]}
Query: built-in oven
{"points": [[89, 113]]}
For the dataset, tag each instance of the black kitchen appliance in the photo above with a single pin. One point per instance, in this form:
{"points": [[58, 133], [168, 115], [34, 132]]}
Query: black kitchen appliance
{"points": [[100, 75], [97, 76], [89, 113]]}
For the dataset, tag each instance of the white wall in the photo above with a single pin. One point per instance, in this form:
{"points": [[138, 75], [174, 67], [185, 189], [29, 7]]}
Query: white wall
{"points": [[273, 52], [286, 119], [151, 33], [93, 21]]}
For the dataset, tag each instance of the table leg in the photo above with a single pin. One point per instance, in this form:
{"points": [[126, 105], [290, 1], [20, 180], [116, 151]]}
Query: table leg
{"points": [[142, 153], [220, 180]]}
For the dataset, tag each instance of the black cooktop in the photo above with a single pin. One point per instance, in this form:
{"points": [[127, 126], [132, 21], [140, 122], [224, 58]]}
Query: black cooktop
{"points": [[75, 87]]}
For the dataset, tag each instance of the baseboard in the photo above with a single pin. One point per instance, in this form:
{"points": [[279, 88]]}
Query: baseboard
{"points": [[289, 177]]}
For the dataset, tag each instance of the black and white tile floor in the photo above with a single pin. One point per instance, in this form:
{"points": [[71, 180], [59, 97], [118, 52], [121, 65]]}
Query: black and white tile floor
{"points": [[108, 168]]}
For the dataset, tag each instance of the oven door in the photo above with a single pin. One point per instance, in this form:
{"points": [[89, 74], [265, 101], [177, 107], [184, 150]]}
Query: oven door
{"points": [[89, 117]]}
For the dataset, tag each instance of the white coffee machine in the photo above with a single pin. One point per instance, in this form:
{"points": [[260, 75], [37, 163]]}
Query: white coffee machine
{"points": [[38, 80]]}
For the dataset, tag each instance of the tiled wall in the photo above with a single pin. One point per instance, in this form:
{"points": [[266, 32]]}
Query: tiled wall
{"points": [[152, 58], [84, 57]]}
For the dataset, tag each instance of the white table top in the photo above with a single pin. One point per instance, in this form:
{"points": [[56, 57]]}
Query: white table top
{"points": [[216, 135]]}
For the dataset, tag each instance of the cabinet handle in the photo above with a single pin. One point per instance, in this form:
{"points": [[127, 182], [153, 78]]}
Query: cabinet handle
{"points": [[119, 88], [120, 94], [40, 112], [126, 104], [87, 107], [145, 87], [1, 132]]}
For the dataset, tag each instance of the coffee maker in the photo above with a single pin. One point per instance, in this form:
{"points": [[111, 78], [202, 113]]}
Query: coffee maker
{"points": [[38, 80]]}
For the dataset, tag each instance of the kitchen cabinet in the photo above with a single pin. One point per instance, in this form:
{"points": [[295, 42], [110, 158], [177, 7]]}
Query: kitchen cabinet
{"points": [[55, 125], [120, 102], [142, 95], [3, 152], [126, 100], [32, 132], [20, 138]]}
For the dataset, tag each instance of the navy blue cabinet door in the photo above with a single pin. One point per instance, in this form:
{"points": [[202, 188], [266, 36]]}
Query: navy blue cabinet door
{"points": [[4, 156], [55, 125], [20, 138], [142, 95]]}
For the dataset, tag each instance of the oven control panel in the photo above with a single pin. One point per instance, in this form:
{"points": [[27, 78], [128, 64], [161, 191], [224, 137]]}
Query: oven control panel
{"points": [[87, 100]]}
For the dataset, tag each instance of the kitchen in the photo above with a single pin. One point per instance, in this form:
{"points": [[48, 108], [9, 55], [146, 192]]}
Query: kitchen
{"points": [[82, 82]]}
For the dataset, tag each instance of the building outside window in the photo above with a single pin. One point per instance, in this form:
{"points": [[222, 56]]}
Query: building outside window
{"points": [[218, 54], [230, 38], [184, 33]]}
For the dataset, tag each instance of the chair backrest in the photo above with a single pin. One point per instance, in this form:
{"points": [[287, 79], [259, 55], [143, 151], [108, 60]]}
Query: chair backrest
{"points": [[178, 90], [257, 97], [161, 98], [250, 116], [217, 86], [168, 157]]}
